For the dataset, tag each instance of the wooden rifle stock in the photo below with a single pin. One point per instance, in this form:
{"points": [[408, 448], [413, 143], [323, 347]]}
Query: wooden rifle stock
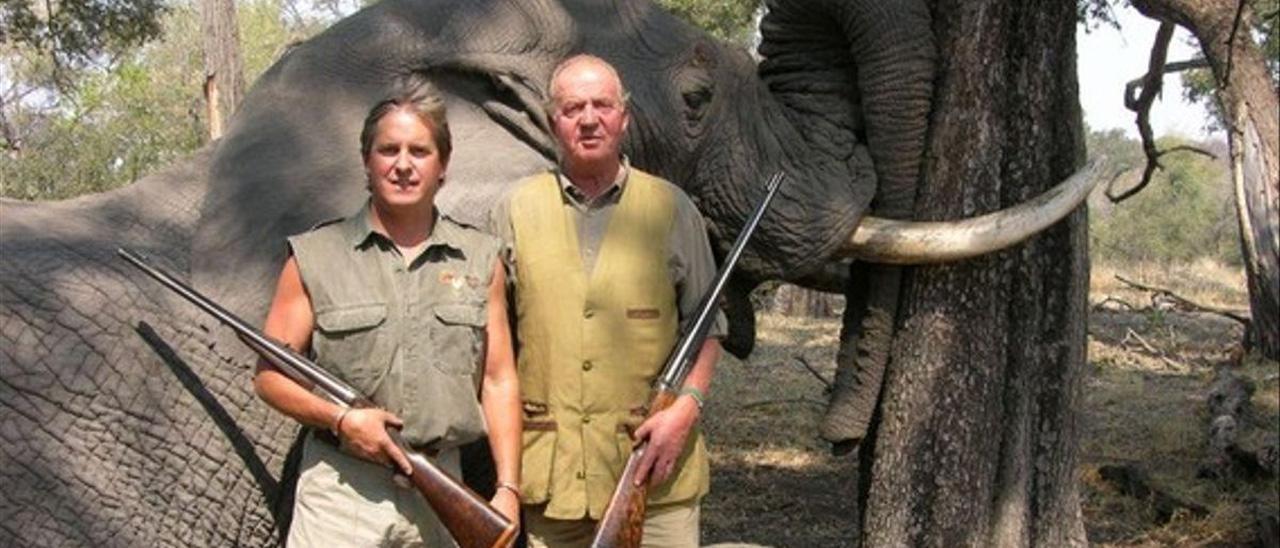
{"points": [[622, 525], [467, 516]]}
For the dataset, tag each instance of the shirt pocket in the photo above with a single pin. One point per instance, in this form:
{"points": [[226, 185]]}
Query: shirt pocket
{"points": [[458, 338], [347, 343]]}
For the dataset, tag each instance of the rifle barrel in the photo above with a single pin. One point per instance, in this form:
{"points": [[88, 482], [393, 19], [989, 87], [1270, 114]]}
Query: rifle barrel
{"points": [[471, 521], [622, 525], [676, 368], [284, 355]]}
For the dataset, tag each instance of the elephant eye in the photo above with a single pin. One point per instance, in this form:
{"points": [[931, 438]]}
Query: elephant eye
{"points": [[696, 85], [696, 91], [695, 99]]}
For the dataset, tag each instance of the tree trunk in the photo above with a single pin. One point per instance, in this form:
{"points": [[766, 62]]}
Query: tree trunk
{"points": [[975, 440], [1248, 98], [793, 300], [223, 69]]}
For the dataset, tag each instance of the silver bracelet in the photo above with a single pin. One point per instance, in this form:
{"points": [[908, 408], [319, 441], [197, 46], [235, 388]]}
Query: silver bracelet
{"points": [[510, 487], [697, 395], [337, 422]]}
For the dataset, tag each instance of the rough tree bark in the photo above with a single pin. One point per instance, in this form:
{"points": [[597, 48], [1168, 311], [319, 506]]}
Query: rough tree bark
{"points": [[223, 69], [975, 441], [1249, 100]]}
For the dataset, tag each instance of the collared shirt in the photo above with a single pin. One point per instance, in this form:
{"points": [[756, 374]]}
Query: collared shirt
{"points": [[447, 235], [689, 259], [408, 334]]}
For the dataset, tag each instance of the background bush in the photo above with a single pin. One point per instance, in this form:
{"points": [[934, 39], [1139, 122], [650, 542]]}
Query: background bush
{"points": [[1187, 211]]}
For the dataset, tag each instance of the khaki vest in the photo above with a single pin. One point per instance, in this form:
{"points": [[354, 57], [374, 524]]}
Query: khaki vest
{"points": [[590, 347], [411, 339]]}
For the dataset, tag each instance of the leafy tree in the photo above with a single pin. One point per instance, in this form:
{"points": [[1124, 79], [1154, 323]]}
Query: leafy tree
{"points": [[1186, 212], [73, 33], [726, 19], [119, 122]]}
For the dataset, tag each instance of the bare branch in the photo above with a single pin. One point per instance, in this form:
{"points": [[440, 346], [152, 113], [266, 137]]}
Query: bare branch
{"points": [[805, 362], [1189, 64], [1130, 333], [1102, 305], [1159, 291], [1231, 40], [1150, 85]]}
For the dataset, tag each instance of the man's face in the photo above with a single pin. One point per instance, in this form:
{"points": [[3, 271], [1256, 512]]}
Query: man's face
{"points": [[590, 117], [404, 166]]}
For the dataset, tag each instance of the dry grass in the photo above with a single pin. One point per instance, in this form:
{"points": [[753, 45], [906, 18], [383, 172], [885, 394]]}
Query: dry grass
{"points": [[1204, 281], [774, 482]]}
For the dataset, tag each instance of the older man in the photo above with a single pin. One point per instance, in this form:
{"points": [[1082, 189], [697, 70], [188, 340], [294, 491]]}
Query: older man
{"points": [[606, 261]]}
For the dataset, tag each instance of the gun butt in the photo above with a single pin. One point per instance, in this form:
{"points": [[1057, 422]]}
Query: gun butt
{"points": [[622, 525], [467, 516]]}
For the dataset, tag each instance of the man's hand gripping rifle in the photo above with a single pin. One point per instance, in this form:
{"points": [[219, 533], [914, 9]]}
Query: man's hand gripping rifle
{"points": [[471, 521]]}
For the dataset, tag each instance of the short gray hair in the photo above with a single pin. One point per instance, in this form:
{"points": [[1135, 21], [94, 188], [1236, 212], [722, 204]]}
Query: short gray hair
{"points": [[550, 106]]}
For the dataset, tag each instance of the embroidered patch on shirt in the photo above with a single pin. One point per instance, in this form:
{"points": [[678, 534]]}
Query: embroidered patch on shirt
{"points": [[642, 314], [448, 277], [455, 280]]}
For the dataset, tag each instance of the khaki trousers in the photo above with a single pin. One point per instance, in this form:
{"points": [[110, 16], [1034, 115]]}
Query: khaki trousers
{"points": [[668, 526], [344, 501]]}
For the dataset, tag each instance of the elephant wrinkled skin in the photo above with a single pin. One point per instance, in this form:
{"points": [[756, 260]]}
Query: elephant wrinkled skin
{"points": [[130, 420]]}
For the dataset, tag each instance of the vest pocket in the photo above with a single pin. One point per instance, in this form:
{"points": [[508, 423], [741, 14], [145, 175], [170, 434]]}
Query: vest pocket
{"points": [[347, 342], [458, 340], [537, 460]]}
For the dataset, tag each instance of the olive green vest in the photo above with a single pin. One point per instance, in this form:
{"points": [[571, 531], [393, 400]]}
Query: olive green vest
{"points": [[590, 345], [409, 337]]}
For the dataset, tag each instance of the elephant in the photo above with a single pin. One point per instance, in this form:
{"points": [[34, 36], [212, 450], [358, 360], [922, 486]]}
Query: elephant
{"points": [[130, 419]]}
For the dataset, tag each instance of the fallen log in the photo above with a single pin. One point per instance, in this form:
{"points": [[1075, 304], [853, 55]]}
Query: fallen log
{"points": [[1132, 481], [1229, 403], [1161, 295]]}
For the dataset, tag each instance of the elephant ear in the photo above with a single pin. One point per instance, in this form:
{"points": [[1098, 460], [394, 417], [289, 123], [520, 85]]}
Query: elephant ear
{"points": [[291, 156]]}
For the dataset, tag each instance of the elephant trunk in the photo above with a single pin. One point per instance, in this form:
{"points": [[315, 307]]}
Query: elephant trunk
{"points": [[879, 64], [856, 73], [850, 86]]}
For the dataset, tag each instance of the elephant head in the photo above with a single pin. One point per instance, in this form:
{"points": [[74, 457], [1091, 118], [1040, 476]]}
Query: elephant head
{"points": [[103, 447], [704, 116]]}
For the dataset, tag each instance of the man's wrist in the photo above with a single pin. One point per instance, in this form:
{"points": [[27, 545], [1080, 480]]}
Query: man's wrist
{"points": [[695, 394], [508, 486], [336, 425]]}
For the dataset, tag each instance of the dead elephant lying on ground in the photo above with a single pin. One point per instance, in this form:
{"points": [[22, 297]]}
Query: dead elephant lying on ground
{"points": [[130, 419]]}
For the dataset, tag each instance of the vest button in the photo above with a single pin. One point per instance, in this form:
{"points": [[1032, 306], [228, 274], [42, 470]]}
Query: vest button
{"points": [[588, 313], [586, 365], [586, 419]]}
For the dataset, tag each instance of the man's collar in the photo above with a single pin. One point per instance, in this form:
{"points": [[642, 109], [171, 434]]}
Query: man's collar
{"points": [[575, 193], [360, 228]]}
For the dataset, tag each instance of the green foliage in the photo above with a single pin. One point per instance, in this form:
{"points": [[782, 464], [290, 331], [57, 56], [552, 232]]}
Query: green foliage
{"points": [[73, 33], [725, 19], [119, 122], [1186, 211]]}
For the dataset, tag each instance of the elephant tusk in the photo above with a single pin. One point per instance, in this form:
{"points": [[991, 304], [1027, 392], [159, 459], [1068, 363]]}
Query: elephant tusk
{"points": [[889, 241]]}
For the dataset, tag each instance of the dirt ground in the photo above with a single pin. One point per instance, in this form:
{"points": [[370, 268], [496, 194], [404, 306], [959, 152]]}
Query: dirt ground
{"points": [[774, 482]]}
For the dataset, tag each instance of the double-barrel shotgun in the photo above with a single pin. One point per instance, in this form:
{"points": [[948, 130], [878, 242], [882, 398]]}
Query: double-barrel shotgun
{"points": [[622, 525], [471, 521]]}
